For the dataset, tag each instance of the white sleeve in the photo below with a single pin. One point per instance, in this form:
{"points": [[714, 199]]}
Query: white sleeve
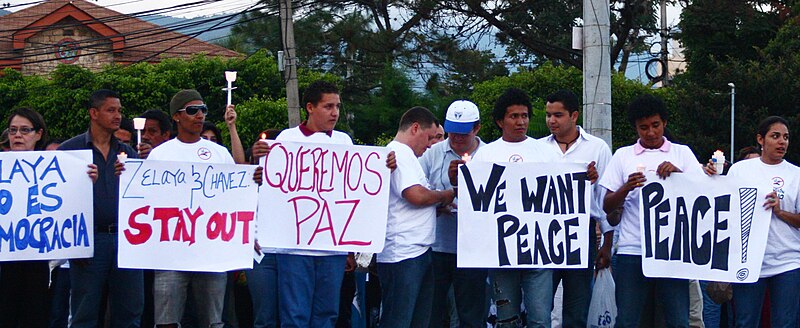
{"points": [[407, 173], [613, 176]]}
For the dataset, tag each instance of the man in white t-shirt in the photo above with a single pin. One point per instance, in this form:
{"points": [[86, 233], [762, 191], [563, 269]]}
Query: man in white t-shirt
{"points": [[309, 282], [404, 266], [170, 287], [654, 153], [572, 144]]}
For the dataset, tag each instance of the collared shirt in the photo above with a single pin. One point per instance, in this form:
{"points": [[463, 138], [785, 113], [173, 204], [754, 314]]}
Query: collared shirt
{"points": [[303, 127], [106, 188], [585, 149], [638, 149], [435, 163], [624, 162]]}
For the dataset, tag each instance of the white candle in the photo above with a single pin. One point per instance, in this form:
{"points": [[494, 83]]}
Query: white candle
{"points": [[122, 156], [138, 124], [230, 76], [466, 157]]}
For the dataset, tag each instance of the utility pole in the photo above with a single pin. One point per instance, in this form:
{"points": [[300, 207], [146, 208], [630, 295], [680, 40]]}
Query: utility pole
{"points": [[290, 73], [664, 44], [597, 69]]}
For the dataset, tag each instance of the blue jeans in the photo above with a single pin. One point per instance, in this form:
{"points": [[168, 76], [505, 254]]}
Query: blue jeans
{"points": [[308, 289], [88, 277], [711, 311], [577, 286], [59, 311], [784, 300], [633, 288], [407, 292], [470, 297], [262, 281], [509, 286]]}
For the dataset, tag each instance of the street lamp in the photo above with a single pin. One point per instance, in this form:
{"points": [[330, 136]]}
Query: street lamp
{"points": [[733, 103]]}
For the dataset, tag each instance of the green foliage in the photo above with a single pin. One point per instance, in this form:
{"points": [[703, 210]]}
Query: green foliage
{"points": [[62, 97]]}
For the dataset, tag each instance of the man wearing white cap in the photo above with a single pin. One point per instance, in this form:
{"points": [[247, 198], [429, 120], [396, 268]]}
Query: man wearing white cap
{"points": [[462, 124]]}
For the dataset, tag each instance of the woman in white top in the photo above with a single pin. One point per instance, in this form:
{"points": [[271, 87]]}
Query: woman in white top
{"points": [[780, 270]]}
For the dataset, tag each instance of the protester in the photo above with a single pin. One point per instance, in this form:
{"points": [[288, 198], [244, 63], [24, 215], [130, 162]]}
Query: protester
{"points": [[655, 153], [170, 287], [157, 127], [262, 280], [462, 123], [404, 265], [125, 131], [24, 284], [511, 114], [439, 135], [89, 277], [572, 144], [780, 269]]}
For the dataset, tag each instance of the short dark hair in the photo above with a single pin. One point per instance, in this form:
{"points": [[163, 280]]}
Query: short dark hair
{"points": [[99, 97], [567, 98], [419, 115], [164, 121], [765, 124], [511, 97], [36, 120], [208, 126], [314, 91], [744, 152], [127, 125], [645, 106]]}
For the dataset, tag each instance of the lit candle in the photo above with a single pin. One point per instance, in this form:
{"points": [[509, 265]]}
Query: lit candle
{"points": [[263, 136], [466, 157], [122, 156], [719, 161], [640, 168]]}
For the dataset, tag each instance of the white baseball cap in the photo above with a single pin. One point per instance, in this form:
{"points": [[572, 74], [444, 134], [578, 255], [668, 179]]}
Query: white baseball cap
{"points": [[461, 117]]}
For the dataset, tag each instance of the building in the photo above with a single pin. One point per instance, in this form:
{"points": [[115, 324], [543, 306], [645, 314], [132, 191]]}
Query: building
{"points": [[37, 39]]}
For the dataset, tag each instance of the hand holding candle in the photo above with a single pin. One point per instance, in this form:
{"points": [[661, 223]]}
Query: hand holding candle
{"points": [[719, 161]]}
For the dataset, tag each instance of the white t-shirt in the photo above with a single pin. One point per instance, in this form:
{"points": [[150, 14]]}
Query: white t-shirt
{"points": [[296, 135], [586, 149], [623, 163], [201, 151], [530, 150], [783, 241], [410, 229]]}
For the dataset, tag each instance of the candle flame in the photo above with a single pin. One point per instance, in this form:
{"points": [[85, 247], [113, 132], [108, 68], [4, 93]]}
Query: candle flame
{"points": [[263, 135]]}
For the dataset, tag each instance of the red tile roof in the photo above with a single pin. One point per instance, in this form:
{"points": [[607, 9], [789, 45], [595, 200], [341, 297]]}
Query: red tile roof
{"points": [[133, 40]]}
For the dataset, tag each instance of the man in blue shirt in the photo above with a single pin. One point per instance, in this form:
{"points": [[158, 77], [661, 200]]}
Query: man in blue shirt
{"points": [[462, 124], [90, 276]]}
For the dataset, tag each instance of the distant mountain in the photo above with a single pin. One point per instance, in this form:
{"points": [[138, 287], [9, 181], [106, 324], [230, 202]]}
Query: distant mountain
{"points": [[4, 12], [190, 26]]}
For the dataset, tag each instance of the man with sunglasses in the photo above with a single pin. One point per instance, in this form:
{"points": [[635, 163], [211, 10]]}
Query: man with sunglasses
{"points": [[170, 287]]}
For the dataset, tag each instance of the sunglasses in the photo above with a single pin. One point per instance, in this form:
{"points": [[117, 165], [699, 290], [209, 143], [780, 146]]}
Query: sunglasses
{"points": [[192, 110], [23, 130]]}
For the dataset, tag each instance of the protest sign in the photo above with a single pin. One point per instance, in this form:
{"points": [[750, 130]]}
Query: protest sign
{"points": [[324, 197], [46, 207], [523, 215], [699, 227], [186, 216]]}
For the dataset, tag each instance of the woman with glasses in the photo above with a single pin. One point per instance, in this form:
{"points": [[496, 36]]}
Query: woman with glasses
{"points": [[24, 284]]}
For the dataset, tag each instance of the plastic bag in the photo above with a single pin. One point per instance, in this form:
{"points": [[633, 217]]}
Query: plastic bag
{"points": [[603, 308]]}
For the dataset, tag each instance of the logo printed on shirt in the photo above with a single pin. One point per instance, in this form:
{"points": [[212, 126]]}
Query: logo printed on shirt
{"points": [[515, 158], [777, 183], [204, 153]]}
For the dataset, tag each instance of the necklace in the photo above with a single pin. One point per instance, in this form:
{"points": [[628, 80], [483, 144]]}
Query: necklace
{"points": [[567, 144]]}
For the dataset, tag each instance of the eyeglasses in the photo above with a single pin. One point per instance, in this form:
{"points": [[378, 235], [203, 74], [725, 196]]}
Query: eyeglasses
{"points": [[193, 109], [24, 130]]}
